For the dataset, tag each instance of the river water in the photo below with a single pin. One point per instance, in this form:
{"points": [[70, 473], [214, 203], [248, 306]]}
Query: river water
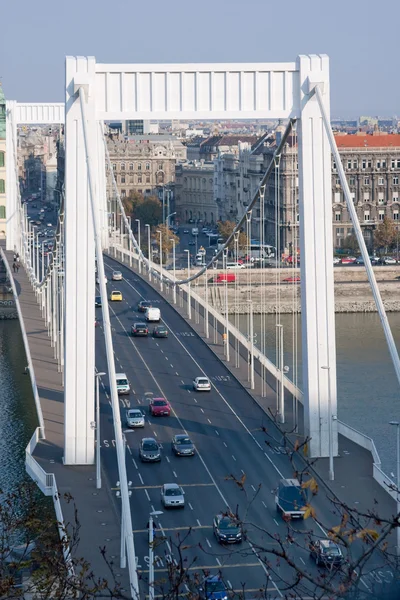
{"points": [[368, 391]]}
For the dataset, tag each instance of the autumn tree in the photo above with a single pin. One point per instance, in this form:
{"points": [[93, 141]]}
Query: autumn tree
{"points": [[385, 234], [131, 202], [166, 238], [226, 228]]}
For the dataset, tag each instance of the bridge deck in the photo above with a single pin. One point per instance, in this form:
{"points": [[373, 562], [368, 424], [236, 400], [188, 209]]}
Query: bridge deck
{"points": [[97, 514]]}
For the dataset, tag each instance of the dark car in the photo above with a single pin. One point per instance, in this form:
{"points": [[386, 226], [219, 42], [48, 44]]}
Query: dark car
{"points": [[160, 331], [138, 329], [182, 445], [213, 588], [186, 231], [149, 450], [97, 301], [227, 530], [143, 305], [191, 243], [326, 553]]}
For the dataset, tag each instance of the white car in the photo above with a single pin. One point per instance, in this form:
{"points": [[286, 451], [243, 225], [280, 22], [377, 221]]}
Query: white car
{"points": [[336, 260], [202, 384], [117, 276], [98, 279], [134, 418], [389, 260], [172, 495], [235, 266]]}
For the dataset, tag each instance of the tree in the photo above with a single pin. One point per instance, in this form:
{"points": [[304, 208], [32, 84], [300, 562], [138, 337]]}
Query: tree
{"points": [[225, 229], [149, 211], [385, 234], [351, 243], [166, 237], [131, 202]]}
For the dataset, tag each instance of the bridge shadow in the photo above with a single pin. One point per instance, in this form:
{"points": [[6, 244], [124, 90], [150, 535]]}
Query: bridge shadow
{"points": [[50, 394]]}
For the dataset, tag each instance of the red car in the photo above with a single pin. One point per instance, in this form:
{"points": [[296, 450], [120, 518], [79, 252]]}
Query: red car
{"points": [[348, 260], [159, 407], [293, 279]]}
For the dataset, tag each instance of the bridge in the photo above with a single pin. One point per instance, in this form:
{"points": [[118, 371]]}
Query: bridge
{"points": [[238, 429]]}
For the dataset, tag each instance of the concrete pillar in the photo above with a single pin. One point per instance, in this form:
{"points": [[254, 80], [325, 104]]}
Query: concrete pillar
{"points": [[79, 268], [317, 292], [13, 234]]}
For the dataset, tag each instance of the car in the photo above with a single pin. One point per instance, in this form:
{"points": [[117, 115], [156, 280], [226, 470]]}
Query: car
{"points": [[227, 530], [292, 279], [98, 279], [348, 260], [159, 407], [326, 553], [49, 225], [134, 418], [336, 260], [388, 260], [116, 296], [235, 265], [182, 445], [122, 382], [205, 230], [213, 588], [160, 331], [290, 499], [186, 231], [139, 329], [191, 243], [153, 314], [172, 496], [97, 302], [116, 276], [359, 260], [143, 305], [149, 450], [202, 384]]}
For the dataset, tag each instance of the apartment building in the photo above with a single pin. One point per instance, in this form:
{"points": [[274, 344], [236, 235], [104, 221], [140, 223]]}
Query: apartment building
{"points": [[194, 192]]}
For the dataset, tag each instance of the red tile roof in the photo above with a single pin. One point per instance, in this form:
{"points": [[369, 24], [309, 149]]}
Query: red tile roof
{"points": [[368, 141]]}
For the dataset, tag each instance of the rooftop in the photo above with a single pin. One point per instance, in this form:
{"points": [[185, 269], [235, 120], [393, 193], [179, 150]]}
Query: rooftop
{"points": [[368, 140]]}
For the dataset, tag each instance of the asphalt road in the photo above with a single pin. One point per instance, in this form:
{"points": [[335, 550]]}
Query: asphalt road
{"points": [[225, 425]]}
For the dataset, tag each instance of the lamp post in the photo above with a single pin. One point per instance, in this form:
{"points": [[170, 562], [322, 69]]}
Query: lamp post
{"points": [[225, 259], [330, 417], [155, 513], [188, 297], [140, 249], [129, 240], [281, 395], [148, 248], [161, 276], [173, 266], [98, 466], [170, 215], [397, 425]]}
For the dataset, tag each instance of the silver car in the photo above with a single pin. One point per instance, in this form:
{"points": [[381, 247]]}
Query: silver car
{"points": [[172, 495], [201, 384], [134, 418], [117, 276], [149, 450]]}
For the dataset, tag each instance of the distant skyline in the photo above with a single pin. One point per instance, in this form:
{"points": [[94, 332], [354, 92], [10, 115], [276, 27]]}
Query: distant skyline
{"points": [[361, 41]]}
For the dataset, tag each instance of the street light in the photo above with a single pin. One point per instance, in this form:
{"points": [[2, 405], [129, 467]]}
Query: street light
{"points": [[140, 256], [155, 513], [170, 215], [148, 248], [173, 261], [330, 418], [129, 240], [188, 297], [98, 468], [397, 424], [161, 275]]}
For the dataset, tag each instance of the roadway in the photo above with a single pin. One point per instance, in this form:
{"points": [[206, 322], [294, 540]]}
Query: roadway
{"points": [[226, 427]]}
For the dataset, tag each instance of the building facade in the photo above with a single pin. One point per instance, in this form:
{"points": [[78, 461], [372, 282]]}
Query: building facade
{"points": [[143, 164], [194, 192], [3, 214]]}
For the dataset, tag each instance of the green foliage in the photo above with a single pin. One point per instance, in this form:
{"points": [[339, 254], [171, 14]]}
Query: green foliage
{"points": [[149, 210]]}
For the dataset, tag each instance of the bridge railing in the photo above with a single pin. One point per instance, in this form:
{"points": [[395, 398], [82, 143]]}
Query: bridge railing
{"points": [[26, 344]]}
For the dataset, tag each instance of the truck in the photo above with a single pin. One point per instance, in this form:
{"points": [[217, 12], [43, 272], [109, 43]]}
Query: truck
{"points": [[290, 499], [153, 314], [195, 231]]}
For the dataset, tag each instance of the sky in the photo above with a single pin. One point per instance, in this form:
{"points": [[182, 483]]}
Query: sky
{"points": [[360, 37]]}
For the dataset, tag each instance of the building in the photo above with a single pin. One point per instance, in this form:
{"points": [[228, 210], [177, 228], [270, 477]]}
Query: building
{"points": [[2, 164], [194, 192], [216, 145], [144, 163], [140, 127]]}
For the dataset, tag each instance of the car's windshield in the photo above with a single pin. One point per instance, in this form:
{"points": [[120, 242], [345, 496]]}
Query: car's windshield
{"points": [[122, 382], [117, 272], [332, 550], [202, 380], [159, 403], [151, 446], [139, 325], [145, 304], [181, 441], [133, 414], [173, 492], [227, 524], [215, 586]]}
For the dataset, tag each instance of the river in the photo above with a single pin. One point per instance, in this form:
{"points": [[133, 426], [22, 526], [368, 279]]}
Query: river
{"points": [[368, 391]]}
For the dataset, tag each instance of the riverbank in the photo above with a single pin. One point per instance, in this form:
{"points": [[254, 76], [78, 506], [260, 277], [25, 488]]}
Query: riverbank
{"points": [[352, 290]]}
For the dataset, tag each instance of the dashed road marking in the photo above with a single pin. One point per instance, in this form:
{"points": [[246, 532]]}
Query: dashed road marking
{"points": [[198, 522], [225, 444], [208, 543], [147, 494], [190, 506], [233, 457], [209, 421], [141, 479], [175, 475]]}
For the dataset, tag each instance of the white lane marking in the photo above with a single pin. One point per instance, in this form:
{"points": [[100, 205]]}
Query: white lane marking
{"points": [[147, 494], [195, 400], [141, 479], [263, 503], [155, 433], [152, 508], [176, 373], [134, 462], [190, 506], [218, 561], [302, 560], [209, 545], [166, 357], [157, 344], [217, 432], [202, 411], [229, 584], [188, 391], [167, 459], [276, 522], [175, 475], [198, 522], [162, 351], [129, 449], [253, 488], [233, 457], [209, 421], [225, 444], [172, 366], [182, 381]]}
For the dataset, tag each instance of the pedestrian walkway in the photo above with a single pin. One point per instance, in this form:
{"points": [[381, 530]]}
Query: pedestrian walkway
{"points": [[99, 524]]}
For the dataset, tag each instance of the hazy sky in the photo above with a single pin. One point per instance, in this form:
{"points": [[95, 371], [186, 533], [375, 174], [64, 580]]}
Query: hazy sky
{"points": [[360, 37]]}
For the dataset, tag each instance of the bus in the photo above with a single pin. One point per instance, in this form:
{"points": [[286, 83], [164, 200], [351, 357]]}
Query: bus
{"points": [[260, 251]]}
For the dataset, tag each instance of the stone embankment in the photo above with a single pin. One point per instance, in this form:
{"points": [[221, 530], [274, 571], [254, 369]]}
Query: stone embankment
{"points": [[352, 290]]}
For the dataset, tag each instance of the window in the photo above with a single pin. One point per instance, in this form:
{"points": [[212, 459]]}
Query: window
{"points": [[139, 179], [122, 166], [398, 163], [337, 181], [364, 164], [366, 180], [366, 216], [131, 179], [366, 196], [378, 164], [395, 180], [381, 215], [352, 181], [139, 167], [114, 166], [2, 212], [352, 194], [338, 216], [395, 215], [349, 164], [383, 164], [147, 178], [381, 181], [355, 164], [381, 197], [123, 193], [369, 163], [393, 163], [147, 166], [1, 159], [160, 166], [2, 186], [337, 197], [395, 196], [334, 166], [122, 179], [131, 166]]}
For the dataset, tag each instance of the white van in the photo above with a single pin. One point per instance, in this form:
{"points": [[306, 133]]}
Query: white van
{"points": [[122, 383], [153, 314]]}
